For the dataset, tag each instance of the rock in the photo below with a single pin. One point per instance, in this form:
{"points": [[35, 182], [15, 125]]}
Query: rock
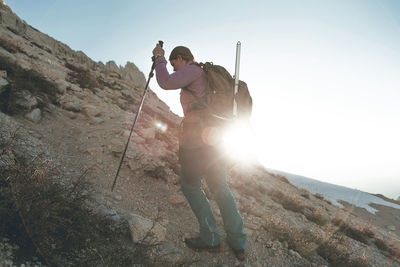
{"points": [[146, 231], [110, 213], [170, 253], [131, 72], [294, 253], [96, 120], [95, 150], [61, 86], [71, 115], [147, 133], [116, 146], [391, 228], [25, 100], [134, 164], [176, 199], [3, 84], [72, 106], [118, 197], [276, 245], [112, 66], [91, 110], [252, 226], [34, 116]]}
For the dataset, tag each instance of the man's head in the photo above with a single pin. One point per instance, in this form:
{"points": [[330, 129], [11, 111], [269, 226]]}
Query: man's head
{"points": [[180, 56]]}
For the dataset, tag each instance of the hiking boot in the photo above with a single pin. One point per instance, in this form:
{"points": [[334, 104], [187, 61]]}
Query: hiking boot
{"points": [[239, 253], [199, 245]]}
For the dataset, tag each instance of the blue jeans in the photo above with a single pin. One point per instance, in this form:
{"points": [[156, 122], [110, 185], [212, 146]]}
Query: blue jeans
{"points": [[198, 163]]}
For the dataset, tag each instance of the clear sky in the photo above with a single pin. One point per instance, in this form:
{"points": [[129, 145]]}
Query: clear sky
{"points": [[324, 75]]}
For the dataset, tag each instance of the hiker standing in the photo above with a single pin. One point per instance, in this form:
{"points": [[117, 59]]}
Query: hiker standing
{"points": [[196, 157]]}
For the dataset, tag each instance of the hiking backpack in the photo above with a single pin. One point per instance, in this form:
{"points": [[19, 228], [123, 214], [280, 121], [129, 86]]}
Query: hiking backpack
{"points": [[220, 93]]}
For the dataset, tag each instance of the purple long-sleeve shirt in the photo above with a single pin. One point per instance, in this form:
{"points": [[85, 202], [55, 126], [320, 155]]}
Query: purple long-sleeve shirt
{"points": [[191, 77]]}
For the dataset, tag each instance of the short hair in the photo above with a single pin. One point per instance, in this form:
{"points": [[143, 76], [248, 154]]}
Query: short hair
{"points": [[182, 51]]}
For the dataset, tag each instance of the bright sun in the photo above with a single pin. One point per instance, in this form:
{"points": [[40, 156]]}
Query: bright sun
{"points": [[239, 142]]}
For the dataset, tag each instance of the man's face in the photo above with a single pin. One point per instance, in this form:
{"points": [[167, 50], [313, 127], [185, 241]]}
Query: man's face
{"points": [[177, 63]]}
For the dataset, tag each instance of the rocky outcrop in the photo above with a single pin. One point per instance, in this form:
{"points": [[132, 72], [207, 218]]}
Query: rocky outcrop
{"points": [[132, 73], [66, 73]]}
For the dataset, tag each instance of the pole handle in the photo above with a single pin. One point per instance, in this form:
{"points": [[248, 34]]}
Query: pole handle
{"points": [[161, 43]]}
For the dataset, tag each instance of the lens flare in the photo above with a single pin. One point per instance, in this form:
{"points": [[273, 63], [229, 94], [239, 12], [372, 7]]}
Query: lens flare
{"points": [[239, 142], [161, 126]]}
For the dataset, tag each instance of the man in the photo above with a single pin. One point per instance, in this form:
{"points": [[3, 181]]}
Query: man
{"points": [[197, 158]]}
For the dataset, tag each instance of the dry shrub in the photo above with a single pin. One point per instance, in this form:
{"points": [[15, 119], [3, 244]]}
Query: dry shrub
{"points": [[338, 255], [361, 234], [288, 202], [305, 195], [317, 216], [388, 249], [367, 236], [319, 196], [279, 177], [56, 218], [11, 46], [304, 241], [294, 204]]}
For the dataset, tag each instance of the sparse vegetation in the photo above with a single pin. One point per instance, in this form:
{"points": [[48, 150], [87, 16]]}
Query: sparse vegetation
{"points": [[338, 255], [280, 177], [365, 235], [361, 234], [298, 205], [53, 216]]}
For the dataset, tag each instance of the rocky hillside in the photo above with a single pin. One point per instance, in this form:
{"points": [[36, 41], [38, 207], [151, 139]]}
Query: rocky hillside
{"points": [[60, 106]]}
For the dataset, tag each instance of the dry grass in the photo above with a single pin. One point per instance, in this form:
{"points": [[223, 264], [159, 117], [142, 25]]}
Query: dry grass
{"points": [[337, 254], [295, 204], [359, 233], [279, 177], [367, 236], [303, 241], [332, 247]]}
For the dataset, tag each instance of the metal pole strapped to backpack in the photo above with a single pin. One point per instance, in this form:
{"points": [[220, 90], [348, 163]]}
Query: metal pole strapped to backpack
{"points": [[237, 65], [137, 116]]}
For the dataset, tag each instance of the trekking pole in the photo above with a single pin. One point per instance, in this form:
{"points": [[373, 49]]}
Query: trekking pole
{"points": [[137, 116], [237, 65]]}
